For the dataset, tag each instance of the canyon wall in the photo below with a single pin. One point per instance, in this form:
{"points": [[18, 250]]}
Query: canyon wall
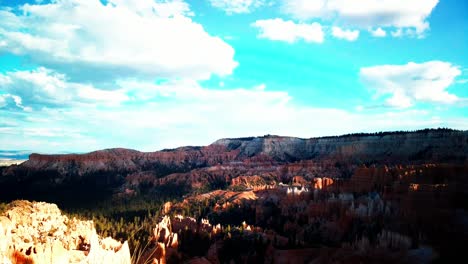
{"points": [[435, 145], [280, 158]]}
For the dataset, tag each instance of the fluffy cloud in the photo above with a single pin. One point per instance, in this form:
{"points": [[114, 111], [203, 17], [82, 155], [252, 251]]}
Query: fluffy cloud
{"points": [[153, 126], [177, 113], [349, 35], [379, 32], [289, 31], [92, 41], [12, 102], [413, 82], [237, 6], [411, 15], [45, 88]]}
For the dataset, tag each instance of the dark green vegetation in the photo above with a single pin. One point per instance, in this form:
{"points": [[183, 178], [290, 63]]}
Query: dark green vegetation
{"points": [[379, 134], [126, 220], [416, 185], [400, 132], [99, 186]]}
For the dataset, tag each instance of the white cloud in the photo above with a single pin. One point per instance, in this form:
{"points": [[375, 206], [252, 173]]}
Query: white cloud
{"points": [[397, 33], [379, 32], [349, 35], [237, 6], [289, 31], [412, 82], [366, 13], [178, 113], [162, 8], [90, 41], [45, 88], [11, 101], [304, 9]]}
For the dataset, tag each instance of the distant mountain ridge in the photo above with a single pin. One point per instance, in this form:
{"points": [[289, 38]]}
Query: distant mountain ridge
{"points": [[439, 145], [428, 144], [109, 169], [425, 132]]}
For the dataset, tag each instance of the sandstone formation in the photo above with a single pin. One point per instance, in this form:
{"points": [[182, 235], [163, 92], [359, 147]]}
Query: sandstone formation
{"points": [[37, 232], [165, 243], [299, 181], [421, 145], [322, 183], [365, 198], [252, 182], [280, 157], [378, 213]]}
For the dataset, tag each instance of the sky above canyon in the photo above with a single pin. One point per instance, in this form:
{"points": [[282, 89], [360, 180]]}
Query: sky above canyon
{"points": [[81, 75]]}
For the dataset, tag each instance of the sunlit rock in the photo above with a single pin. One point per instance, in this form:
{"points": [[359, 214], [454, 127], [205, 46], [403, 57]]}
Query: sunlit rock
{"points": [[165, 242], [37, 232]]}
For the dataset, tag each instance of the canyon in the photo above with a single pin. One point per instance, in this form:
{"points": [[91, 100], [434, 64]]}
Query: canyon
{"points": [[362, 198], [216, 164]]}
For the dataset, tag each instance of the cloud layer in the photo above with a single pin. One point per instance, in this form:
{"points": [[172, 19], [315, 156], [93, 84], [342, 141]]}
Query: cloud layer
{"points": [[237, 6], [401, 14], [42, 87], [349, 35], [150, 116], [412, 82], [289, 31], [90, 41], [379, 32], [91, 83]]}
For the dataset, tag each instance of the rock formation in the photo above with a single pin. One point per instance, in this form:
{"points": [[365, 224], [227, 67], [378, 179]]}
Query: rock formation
{"points": [[254, 182], [37, 232], [123, 169], [321, 183], [354, 198], [164, 243], [403, 146]]}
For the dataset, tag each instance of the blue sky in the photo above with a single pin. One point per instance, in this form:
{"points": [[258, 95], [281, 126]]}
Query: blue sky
{"points": [[77, 76]]}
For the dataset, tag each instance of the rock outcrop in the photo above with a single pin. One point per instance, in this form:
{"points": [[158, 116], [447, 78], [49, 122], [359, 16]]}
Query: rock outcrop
{"points": [[37, 232], [217, 164], [164, 243], [252, 182], [425, 145], [357, 198], [322, 183]]}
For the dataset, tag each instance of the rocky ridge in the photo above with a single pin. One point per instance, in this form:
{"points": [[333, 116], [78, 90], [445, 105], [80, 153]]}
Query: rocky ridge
{"points": [[430, 145], [387, 146], [185, 169], [37, 232], [353, 198]]}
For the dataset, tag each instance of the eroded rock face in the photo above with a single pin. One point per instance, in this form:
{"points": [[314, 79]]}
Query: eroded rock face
{"points": [[321, 183], [165, 243], [420, 145], [37, 232], [163, 233], [330, 157], [252, 182], [127, 160]]}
